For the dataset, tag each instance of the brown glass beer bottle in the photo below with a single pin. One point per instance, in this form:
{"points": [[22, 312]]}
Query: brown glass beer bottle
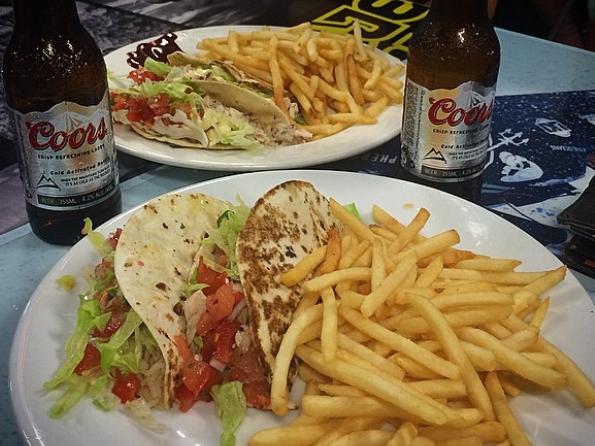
{"points": [[452, 67], [56, 87]]}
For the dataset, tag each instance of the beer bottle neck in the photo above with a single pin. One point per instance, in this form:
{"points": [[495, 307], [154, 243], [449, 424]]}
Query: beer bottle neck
{"points": [[459, 11], [41, 16]]}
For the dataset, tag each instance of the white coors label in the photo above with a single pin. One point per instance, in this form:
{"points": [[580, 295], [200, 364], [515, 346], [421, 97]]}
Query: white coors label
{"points": [[445, 132], [67, 156]]}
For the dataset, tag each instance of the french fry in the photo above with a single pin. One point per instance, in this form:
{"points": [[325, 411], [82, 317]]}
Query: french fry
{"points": [[330, 279], [521, 340], [383, 232], [422, 441], [355, 85], [374, 76], [368, 437], [333, 253], [508, 387], [301, 97], [360, 52], [347, 426], [430, 274], [398, 395], [466, 441], [488, 431], [454, 351], [294, 435], [516, 278], [341, 390], [400, 344], [376, 108], [304, 267], [305, 420], [300, 43], [307, 301], [404, 435], [378, 265], [232, 42], [410, 231], [328, 335], [307, 374], [580, 384], [489, 264], [414, 369], [496, 329], [351, 221], [545, 281], [345, 342], [539, 315], [365, 259], [456, 319], [279, 399], [475, 287], [431, 246], [379, 296], [503, 412], [550, 379]]}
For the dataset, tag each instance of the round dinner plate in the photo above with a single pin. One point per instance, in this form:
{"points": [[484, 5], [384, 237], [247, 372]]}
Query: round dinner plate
{"points": [[549, 419], [351, 141]]}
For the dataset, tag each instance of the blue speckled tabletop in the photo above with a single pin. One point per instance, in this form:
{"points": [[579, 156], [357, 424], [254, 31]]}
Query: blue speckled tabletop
{"points": [[529, 65]]}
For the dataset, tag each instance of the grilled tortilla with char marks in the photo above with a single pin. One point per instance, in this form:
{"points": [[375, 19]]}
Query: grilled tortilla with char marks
{"points": [[285, 225]]}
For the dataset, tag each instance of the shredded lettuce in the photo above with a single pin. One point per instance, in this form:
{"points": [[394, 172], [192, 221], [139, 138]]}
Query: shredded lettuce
{"points": [[230, 403], [87, 318], [229, 225], [102, 320], [198, 342], [101, 392], [220, 73], [66, 282], [77, 387], [227, 130], [351, 207], [97, 239], [159, 68], [192, 286], [118, 352], [140, 411], [175, 90]]}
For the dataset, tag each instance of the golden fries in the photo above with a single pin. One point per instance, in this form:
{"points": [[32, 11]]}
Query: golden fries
{"points": [[279, 400], [503, 413], [407, 328], [333, 78]]}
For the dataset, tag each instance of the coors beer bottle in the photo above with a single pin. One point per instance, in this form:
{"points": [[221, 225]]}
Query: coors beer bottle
{"points": [[55, 84], [452, 69]]}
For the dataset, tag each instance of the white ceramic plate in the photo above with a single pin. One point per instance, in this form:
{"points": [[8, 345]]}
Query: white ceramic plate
{"points": [[552, 420], [350, 142]]}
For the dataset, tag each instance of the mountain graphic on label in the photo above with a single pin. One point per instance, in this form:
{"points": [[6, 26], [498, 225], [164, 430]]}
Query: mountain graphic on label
{"points": [[436, 155], [46, 183]]}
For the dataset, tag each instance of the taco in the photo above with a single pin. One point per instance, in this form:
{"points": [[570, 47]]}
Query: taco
{"points": [[187, 304], [195, 104]]}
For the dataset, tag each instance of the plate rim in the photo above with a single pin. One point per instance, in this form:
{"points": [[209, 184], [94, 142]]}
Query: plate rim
{"points": [[16, 389], [224, 165]]}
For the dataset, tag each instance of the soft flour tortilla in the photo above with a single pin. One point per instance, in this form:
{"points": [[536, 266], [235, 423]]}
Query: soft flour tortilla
{"points": [[178, 142], [232, 94], [152, 264], [285, 225]]}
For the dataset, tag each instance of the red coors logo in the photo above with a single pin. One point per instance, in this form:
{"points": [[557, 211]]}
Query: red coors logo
{"points": [[445, 111], [43, 134]]}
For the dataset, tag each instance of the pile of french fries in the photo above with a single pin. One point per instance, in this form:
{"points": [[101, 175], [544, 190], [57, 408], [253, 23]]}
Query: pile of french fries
{"points": [[414, 342], [337, 80]]}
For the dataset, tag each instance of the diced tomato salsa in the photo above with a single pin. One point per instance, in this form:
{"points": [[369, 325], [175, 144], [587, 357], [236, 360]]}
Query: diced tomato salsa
{"points": [[218, 339], [141, 75]]}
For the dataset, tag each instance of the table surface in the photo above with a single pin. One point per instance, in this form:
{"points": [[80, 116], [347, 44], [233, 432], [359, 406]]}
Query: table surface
{"points": [[529, 65]]}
